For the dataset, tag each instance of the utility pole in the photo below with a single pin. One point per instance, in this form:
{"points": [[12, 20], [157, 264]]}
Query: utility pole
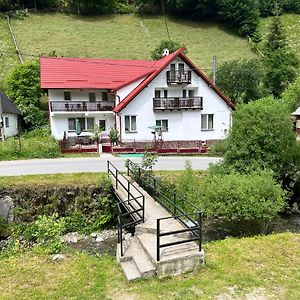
{"points": [[214, 68]]}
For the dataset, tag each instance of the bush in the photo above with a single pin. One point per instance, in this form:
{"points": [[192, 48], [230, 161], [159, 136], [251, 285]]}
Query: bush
{"points": [[46, 232], [253, 197], [170, 45], [3, 226], [218, 148], [37, 143]]}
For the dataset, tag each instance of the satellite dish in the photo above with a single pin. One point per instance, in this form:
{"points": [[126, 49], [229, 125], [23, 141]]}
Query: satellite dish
{"points": [[166, 52]]}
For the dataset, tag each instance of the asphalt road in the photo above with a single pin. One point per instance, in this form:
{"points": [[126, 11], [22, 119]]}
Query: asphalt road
{"points": [[94, 164]]}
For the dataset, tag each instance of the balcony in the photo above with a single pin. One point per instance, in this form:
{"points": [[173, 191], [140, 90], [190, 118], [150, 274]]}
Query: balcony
{"points": [[171, 103], [81, 106], [179, 77]]}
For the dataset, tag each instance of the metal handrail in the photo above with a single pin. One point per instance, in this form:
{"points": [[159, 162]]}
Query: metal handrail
{"points": [[137, 214], [195, 230]]}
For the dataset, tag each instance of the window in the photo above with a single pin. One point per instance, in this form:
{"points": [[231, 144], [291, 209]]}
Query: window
{"points": [[163, 124], [90, 122], [92, 97], [207, 122], [165, 93], [157, 94], [102, 124], [67, 95], [71, 124], [104, 96], [180, 68], [85, 123], [191, 93], [6, 122], [130, 123], [184, 93]]}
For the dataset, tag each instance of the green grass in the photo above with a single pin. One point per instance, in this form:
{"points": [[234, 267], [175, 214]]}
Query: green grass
{"points": [[291, 24], [75, 179], [125, 36], [266, 266], [8, 57]]}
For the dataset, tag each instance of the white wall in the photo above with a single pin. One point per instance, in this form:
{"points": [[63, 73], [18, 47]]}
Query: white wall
{"points": [[59, 123], [76, 94], [13, 125], [183, 124]]}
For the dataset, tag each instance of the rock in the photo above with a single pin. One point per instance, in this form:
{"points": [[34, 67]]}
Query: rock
{"points": [[57, 257], [99, 239], [94, 235], [6, 207], [70, 238]]}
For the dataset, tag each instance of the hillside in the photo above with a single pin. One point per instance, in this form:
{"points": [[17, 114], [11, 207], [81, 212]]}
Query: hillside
{"points": [[124, 36], [127, 37]]}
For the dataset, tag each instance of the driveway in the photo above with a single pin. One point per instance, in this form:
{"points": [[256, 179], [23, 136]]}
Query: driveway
{"points": [[95, 164]]}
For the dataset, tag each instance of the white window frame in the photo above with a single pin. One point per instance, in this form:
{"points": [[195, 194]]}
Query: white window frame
{"points": [[85, 129], [207, 123], [130, 117], [160, 123]]}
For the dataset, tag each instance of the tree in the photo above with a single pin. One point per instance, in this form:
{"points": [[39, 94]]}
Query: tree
{"points": [[241, 14], [171, 45], [281, 63], [24, 89], [291, 95], [241, 80], [260, 137]]}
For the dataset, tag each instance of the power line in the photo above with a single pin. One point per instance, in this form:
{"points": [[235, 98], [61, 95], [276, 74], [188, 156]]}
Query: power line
{"points": [[165, 19]]}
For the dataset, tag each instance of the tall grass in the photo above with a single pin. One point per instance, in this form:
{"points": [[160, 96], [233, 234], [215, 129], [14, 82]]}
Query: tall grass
{"points": [[34, 144]]}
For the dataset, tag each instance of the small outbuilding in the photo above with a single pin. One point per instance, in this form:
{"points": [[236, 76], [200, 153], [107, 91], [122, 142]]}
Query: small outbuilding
{"points": [[9, 116]]}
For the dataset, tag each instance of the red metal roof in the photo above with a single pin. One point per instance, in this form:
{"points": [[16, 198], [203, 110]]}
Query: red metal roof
{"points": [[89, 73], [71, 73]]}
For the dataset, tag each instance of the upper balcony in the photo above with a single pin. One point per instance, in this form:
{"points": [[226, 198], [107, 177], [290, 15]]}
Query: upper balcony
{"points": [[179, 77], [79, 106], [171, 103]]}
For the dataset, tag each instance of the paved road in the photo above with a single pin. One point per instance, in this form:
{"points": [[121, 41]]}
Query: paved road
{"points": [[94, 164]]}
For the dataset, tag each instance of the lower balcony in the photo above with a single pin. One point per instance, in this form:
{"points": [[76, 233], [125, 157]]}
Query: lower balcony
{"points": [[81, 106], [171, 103]]}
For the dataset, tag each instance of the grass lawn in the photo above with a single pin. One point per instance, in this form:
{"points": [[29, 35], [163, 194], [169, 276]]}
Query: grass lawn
{"points": [[125, 36], [51, 180], [263, 266], [8, 57]]}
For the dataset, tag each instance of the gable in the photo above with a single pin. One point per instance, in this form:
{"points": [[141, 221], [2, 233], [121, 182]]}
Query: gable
{"points": [[164, 63]]}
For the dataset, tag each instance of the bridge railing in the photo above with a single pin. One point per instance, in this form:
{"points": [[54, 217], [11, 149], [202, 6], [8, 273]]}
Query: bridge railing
{"points": [[192, 221], [134, 206]]}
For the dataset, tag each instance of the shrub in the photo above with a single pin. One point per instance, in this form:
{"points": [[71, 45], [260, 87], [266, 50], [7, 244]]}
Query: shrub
{"points": [[253, 197], [170, 45], [3, 226], [46, 232], [218, 148]]}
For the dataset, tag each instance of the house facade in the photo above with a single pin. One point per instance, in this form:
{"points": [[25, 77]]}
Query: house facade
{"points": [[136, 97], [9, 115]]}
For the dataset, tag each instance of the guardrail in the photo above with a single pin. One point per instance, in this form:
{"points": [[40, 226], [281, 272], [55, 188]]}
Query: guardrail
{"points": [[193, 226], [134, 205]]}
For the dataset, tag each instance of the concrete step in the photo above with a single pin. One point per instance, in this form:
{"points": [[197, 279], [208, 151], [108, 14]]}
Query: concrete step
{"points": [[136, 255], [130, 269], [174, 259]]}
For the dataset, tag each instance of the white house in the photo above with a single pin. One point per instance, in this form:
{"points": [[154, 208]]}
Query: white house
{"points": [[8, 117], [133, 95]]}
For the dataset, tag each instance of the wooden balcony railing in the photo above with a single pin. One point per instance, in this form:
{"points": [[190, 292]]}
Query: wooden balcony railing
{"points": [[81, 106], [179, 77], [171, 103]]}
